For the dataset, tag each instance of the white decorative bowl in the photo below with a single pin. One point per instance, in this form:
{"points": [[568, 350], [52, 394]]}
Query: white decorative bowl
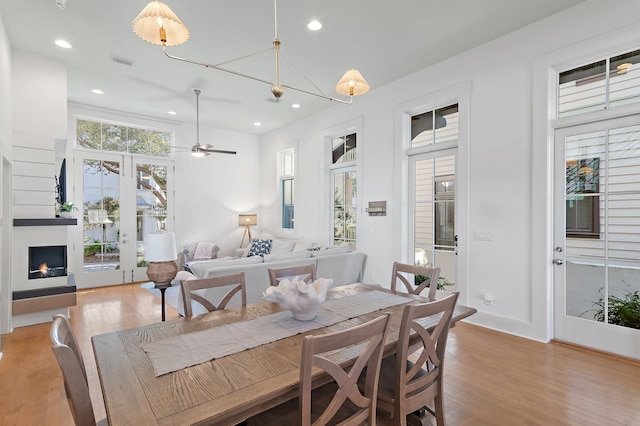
{"points": [[301, 298]]}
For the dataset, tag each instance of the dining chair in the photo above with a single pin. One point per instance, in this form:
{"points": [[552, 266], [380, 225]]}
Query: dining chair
{"points": [[430, 280], [200, 291], [340, 400], [67, 352], [409, 380], [306, 272]]}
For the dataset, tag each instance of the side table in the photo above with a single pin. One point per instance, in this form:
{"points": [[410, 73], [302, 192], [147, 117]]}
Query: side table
{"points": [[162, 286]]}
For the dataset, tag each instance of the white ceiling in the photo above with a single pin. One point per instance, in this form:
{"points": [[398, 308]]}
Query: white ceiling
{"points": [[384, 39]]}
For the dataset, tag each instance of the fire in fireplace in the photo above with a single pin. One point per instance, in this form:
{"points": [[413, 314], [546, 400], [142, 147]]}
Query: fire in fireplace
{"points": [[47, 262]]}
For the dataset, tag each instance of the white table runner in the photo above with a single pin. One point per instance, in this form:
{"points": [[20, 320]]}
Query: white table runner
{"points": [[185, 350]]}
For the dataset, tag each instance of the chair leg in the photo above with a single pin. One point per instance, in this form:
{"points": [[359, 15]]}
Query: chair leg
{"points": [[438, 405]]}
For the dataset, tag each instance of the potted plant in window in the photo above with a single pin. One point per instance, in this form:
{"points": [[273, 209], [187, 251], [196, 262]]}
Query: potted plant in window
{"points": [[67, 209]]}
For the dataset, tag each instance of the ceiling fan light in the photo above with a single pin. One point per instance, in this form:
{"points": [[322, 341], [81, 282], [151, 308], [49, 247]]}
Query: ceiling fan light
{"points": [[196, 152], [157, 24], [352, 83]]}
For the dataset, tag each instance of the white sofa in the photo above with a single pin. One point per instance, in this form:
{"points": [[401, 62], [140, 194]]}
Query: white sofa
{"points": [[339, 263]]}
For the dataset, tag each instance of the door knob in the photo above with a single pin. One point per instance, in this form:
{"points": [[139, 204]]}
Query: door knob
{"points": [[558, 261]]}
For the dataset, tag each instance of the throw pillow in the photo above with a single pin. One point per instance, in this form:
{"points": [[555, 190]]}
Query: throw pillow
{"points": [[259, 247], [281, 246]]}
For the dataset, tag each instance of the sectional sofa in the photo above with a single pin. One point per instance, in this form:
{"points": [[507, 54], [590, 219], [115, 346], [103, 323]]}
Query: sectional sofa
{"points": [[338, 263]]}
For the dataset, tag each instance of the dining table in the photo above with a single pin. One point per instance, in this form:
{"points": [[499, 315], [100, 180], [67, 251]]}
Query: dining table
{"points": [[224, 389]]}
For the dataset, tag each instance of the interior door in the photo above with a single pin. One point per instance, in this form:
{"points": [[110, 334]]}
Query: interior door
{"points": [[123, 199], [597, 235], [432, 218]]}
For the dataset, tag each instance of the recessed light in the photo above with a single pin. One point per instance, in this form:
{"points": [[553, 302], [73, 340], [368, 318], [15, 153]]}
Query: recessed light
{"points": [[171, 112], [295, 106], [257, 124], [63, 43], [314, 25], [98, 92]]}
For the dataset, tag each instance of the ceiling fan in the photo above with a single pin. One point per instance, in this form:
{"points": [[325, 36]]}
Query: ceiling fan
{"points": [[200, 150]]}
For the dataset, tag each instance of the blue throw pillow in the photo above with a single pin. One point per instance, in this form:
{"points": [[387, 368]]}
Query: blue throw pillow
{"points": [[259, 247]]}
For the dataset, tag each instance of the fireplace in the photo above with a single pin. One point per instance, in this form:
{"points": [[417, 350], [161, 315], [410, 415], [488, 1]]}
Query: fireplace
{"points": [[47, 262]]}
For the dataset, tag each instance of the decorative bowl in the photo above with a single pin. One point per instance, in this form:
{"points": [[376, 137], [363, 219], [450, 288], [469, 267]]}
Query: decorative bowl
{"points": [[301, 298]]}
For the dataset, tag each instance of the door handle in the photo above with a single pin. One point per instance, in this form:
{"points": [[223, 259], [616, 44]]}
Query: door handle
{"points": [[558, 261]]}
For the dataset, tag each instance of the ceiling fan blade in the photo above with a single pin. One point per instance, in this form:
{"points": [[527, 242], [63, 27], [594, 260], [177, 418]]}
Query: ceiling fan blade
{"points": [[210, 149]]}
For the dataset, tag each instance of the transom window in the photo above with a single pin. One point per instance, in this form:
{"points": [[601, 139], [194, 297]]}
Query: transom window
{"points": [[435, 126], [603, 84], [119, 138]]}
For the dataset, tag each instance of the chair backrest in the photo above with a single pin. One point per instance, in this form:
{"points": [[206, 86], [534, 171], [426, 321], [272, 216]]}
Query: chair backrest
{"points": [[371, 336], [67, 352], [420, 378], [304, 272], [428, 275], [190, 291]]}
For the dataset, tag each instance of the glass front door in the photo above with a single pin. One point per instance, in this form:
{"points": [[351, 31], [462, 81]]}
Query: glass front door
{"points": [[597, 235]]}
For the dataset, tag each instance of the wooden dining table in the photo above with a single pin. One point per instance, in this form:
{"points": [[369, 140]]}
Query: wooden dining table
{"points": [[222, 391]]}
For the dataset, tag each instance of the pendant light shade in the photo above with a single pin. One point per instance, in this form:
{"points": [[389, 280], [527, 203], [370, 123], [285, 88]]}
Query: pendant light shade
{"points": [[157, 24], [352, 83]]}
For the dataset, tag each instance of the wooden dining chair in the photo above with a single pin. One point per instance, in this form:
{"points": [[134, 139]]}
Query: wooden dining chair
{"points": [[410, 381], [200, 291], [67, 352], [431, 276], [340, 400], [306, 272]]}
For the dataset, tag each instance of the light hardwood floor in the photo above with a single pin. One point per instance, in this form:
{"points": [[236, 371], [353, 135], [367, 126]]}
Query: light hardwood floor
{"points": [[491, 378]]}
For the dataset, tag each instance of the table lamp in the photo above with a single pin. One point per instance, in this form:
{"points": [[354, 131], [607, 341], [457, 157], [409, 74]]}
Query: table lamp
{"points": [[247, 220], [160, 253]]}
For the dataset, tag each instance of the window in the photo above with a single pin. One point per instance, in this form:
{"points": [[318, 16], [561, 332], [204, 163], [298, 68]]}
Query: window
{"points": [[600, 85], [344, 189], [435, 126], [286, 171], [583, 201], [119, 138]]}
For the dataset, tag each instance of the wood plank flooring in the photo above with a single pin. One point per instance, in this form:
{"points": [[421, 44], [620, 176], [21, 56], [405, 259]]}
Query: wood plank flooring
{"points": [[491, 378]]}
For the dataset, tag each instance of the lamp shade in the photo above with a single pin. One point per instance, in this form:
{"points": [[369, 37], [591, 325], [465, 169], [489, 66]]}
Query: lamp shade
{"points": [[248, 219], [157, 24], [160, 247], [352, 83]]}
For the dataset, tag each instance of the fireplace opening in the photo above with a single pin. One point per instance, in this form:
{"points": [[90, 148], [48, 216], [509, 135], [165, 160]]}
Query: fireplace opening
{"points": [[47, 262]]}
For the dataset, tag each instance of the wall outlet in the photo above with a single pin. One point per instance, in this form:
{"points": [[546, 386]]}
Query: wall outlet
{"points": [[488, 299]]}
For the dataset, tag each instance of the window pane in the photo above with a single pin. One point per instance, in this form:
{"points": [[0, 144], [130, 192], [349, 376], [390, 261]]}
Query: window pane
{"points": [[139, 141], [344, 149], [344, 208], [89, 134], [101, 215], [287, 204], [114, 138], [625, 79]]}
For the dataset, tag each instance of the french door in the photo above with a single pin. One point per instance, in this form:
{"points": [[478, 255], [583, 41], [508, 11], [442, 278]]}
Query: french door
{"points": [[123, 198], [432, 219], [597, 235]]}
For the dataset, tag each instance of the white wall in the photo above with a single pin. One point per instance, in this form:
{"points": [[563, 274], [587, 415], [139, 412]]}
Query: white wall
{"points": [[507, 175], [6, 225]]}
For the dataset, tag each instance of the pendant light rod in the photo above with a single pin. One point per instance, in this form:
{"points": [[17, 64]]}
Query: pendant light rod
{"points": [[157, 24]]}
